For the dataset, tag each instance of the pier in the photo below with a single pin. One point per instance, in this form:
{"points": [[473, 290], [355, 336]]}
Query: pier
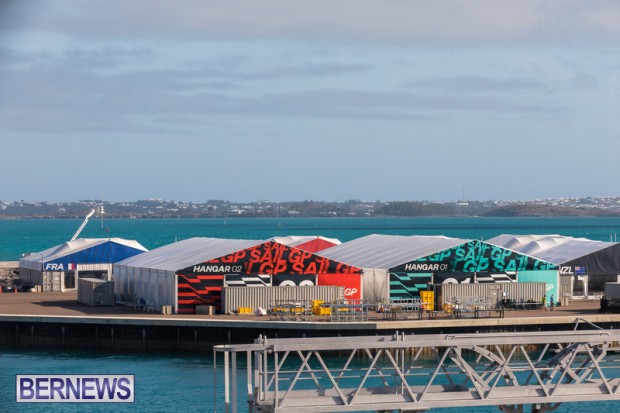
{"points": [[58, 321], [389, 373]]}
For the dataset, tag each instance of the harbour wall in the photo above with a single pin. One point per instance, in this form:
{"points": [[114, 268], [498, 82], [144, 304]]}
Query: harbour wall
{"points": [[199, 336]]}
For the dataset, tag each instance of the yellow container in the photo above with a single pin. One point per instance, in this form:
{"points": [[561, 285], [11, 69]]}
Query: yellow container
{"points": [[321, 311], [317, 303], [244, 310], [428, 300]]}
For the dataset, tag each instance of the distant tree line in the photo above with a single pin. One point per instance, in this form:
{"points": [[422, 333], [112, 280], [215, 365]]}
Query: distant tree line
{"points": [[308, 208]]}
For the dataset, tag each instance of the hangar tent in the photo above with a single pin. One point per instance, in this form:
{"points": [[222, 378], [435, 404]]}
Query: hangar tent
{"points": [[151, 276], [401, 266], [585, 265], [308, 243], [57, 268], [376, 254], [192, 272]]}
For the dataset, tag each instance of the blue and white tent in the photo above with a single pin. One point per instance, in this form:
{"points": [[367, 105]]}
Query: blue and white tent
{"points": [[90, 256]]}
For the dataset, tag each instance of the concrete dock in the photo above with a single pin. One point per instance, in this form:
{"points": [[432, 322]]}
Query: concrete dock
{"points": [[57, 320]]}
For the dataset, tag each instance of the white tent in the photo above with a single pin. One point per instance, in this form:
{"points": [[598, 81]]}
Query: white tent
{"points": [[375, 254], [151, 276], [553, 248], [584, 263]]}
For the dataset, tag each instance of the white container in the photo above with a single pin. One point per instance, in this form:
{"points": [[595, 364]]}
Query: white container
{"points": [[255, 297], [514, 291], [95, 292]]}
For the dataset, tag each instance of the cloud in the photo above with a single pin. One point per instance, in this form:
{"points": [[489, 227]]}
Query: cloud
{"points": [[476, 84], [308, 69], [584, 81], [418, 22], [396, 105], [111, 89], [105, 57], [67, 100]]}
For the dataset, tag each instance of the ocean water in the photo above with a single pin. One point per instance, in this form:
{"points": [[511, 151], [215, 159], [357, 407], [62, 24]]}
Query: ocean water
{"points": [[163, 384], [32, 235], [166, 383]]}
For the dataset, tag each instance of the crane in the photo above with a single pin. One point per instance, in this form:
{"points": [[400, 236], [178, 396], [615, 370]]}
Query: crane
{"points": [[90, 214]]}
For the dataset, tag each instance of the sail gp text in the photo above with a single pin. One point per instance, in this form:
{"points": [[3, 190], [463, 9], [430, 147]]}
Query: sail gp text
{"points": [[74, 388]]}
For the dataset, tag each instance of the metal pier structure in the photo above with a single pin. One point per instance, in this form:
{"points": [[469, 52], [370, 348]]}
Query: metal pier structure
{"points": [[407, 373]]}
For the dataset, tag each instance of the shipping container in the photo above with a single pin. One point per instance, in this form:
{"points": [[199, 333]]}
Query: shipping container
{"points": [[612, 291], [95, 292], [428, 300], [515, 292], [234, 298]]}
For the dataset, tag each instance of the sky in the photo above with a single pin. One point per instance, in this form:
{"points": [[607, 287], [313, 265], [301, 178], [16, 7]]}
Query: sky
{"points": [[288, 100]]}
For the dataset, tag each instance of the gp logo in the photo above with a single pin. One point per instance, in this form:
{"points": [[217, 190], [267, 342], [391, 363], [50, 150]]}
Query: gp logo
{"points": [[291, 283]]}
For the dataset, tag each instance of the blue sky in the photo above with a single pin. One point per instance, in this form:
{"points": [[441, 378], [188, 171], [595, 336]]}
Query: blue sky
{"points": [[292, 100]]}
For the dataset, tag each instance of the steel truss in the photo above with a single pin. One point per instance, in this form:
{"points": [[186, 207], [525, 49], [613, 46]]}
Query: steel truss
{"points": [[420, 372]]}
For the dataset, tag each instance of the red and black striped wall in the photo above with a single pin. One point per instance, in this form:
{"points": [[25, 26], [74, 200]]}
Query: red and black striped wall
{"points": [[201, 284]]}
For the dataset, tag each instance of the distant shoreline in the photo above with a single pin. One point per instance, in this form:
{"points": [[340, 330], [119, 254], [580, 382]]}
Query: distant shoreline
{"points": [[567, 215], [155, 208]]}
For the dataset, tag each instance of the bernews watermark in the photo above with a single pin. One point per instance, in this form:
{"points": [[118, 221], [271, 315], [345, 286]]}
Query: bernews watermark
{"points": [[74, 388]]}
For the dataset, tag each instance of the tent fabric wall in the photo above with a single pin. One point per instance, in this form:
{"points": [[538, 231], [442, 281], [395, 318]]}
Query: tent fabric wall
{"points": [[408, 285], [474, 256], [353, 287], [605, 261], [201, 283], [461, 264], [454, 278], [155, 287], [551, 278], [375, 284], [194, 290]]}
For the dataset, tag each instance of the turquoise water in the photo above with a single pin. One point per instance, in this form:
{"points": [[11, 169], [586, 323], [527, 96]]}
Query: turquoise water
{"points": [[185, 384], [32, 235], [162, 383]]}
